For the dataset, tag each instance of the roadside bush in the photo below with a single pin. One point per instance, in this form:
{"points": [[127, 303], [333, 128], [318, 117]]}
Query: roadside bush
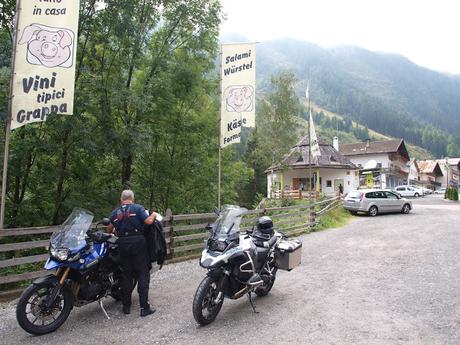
{"points": [[285, 202], [451, 194]]}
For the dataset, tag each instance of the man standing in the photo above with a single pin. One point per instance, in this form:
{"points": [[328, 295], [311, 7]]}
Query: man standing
{"points": [[340, 189], [128, 222]]}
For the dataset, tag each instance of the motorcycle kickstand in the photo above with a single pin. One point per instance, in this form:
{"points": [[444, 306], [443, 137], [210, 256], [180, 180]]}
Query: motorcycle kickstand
{"points": [[252, 303], [103, 309]]}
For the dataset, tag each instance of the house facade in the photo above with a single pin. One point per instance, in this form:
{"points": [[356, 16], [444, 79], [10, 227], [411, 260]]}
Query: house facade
{"points": [[382, 164], [414, 172], [450, 171], [431, 175], [328, 170]]}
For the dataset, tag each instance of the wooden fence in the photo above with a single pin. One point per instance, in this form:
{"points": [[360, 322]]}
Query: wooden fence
{"points": [[185, 235], [288, 194]]}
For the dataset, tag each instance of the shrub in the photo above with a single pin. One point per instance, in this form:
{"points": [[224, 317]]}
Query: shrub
{"points": [[454, 194], [285, 202]]}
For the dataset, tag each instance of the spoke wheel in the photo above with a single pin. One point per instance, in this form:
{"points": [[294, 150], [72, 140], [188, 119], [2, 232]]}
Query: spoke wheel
{"points": [[205, 306], [33, 315]]}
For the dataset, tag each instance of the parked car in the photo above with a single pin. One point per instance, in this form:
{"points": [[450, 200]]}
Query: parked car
{"points": [[375, 201], [426, 191], [441, 190], [409, 191]]}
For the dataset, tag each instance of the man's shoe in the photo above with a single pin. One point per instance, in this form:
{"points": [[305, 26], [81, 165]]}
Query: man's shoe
{"points": [[126, 309], [147, 311]]}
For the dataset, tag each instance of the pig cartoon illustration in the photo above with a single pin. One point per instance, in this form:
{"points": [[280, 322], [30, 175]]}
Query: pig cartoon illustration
{"points": [[48, 46], [239, 98]]}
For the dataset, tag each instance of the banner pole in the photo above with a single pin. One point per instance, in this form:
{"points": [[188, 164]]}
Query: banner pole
{"points": [[8, 118], [5, 171], [219, 155], [219, 176], [309, 145]]}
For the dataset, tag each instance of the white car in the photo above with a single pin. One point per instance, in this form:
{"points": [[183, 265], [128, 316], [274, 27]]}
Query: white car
{"points": [[441, 190], [426, 190], [409, 191]]}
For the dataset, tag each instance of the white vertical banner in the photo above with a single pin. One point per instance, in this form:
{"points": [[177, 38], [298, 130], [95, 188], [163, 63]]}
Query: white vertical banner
{"points": [[44, 65], [315, 151], [238, 75]]}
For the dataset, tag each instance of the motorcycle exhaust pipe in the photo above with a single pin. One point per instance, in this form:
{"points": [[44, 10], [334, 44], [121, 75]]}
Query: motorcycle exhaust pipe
{"points": [[241, 292]]}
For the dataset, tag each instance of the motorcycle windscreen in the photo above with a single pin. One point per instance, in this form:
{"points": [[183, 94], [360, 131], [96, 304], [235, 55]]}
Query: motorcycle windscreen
{"points": [[229, 221], [72, 232]]}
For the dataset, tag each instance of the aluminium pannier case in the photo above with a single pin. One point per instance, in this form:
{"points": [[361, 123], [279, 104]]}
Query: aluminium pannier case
{"points": [[288, 254]]}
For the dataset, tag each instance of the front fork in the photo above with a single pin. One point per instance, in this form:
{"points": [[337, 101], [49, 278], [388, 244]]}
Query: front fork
{"points": [[223, 280], [61, 274]]}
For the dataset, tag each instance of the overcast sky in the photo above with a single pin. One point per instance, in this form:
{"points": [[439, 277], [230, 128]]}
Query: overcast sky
{"points": [[425, 31]]}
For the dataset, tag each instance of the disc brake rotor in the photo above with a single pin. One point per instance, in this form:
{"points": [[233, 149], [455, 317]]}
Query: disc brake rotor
{"points": [[38, 310]]}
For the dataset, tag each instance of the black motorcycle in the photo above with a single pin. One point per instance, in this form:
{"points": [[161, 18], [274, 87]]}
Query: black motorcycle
{"points": [[85, 265], [240, 263]]}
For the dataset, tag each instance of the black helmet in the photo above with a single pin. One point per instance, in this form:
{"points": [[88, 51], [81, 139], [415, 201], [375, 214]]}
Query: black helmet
{"points": [[265, 224]]}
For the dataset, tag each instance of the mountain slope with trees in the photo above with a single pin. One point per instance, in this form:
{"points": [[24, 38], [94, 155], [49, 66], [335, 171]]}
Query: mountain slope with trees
{"points": [[384, 92]]}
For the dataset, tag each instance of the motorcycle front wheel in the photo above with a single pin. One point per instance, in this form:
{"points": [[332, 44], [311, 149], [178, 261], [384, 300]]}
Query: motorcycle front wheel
{"points": [[33, 315], [205, 308]]}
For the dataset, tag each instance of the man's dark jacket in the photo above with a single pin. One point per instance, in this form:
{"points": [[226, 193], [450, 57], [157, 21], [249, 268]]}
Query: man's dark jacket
{"points": [[156, 243]]}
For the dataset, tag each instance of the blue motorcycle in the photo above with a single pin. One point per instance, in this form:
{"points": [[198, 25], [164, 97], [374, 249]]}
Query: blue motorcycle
{"points": [[86, 268]]}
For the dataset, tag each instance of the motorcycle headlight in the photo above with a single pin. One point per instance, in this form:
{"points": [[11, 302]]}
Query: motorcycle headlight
{"points": [[218, 246], [61, 254]]}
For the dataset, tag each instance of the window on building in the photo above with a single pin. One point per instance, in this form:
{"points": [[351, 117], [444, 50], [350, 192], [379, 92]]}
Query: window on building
{"points": [[328, 183], [348, 173], [379, 165]]}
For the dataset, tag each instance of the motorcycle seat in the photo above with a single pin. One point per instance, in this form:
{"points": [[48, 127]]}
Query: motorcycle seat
{"points": [[267, 243]]}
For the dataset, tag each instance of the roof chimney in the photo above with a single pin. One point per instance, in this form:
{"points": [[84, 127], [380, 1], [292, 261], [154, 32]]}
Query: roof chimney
{"points": [[335, 143]]}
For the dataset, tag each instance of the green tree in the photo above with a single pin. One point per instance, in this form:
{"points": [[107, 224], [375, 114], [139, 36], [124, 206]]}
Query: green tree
{"points": [[452, 148], [145, 82], [276, 122]]}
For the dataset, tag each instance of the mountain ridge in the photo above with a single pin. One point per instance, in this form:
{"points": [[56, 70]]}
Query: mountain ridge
{"points": [[383, 91]]}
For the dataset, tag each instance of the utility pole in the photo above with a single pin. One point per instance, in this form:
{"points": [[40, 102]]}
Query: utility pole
{"points": [[8, 119]]}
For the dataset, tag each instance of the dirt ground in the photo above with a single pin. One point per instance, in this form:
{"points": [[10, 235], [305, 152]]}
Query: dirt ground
{"points": [[392, 279]]}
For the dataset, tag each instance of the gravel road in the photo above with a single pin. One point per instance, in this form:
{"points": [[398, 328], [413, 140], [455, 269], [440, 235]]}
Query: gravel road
{"points": [[392, 279]]}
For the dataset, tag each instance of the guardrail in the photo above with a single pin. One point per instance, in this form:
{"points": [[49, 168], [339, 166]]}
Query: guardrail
{"points": [[185, 236]]}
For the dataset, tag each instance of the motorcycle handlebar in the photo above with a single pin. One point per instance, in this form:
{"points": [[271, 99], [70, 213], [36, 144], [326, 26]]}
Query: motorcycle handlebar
{"points": [[100, 236]]}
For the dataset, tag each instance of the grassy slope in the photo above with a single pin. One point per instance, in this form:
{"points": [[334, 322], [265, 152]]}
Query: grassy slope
{"points": [[335, 218]]}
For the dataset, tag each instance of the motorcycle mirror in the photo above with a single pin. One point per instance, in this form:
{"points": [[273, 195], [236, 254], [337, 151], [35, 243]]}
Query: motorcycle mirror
{"points": [[105, 221]]}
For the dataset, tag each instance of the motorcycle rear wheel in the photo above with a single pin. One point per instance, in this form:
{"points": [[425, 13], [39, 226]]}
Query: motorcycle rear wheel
{"points": [[264, 289], [205, 309], [34, 317]]}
